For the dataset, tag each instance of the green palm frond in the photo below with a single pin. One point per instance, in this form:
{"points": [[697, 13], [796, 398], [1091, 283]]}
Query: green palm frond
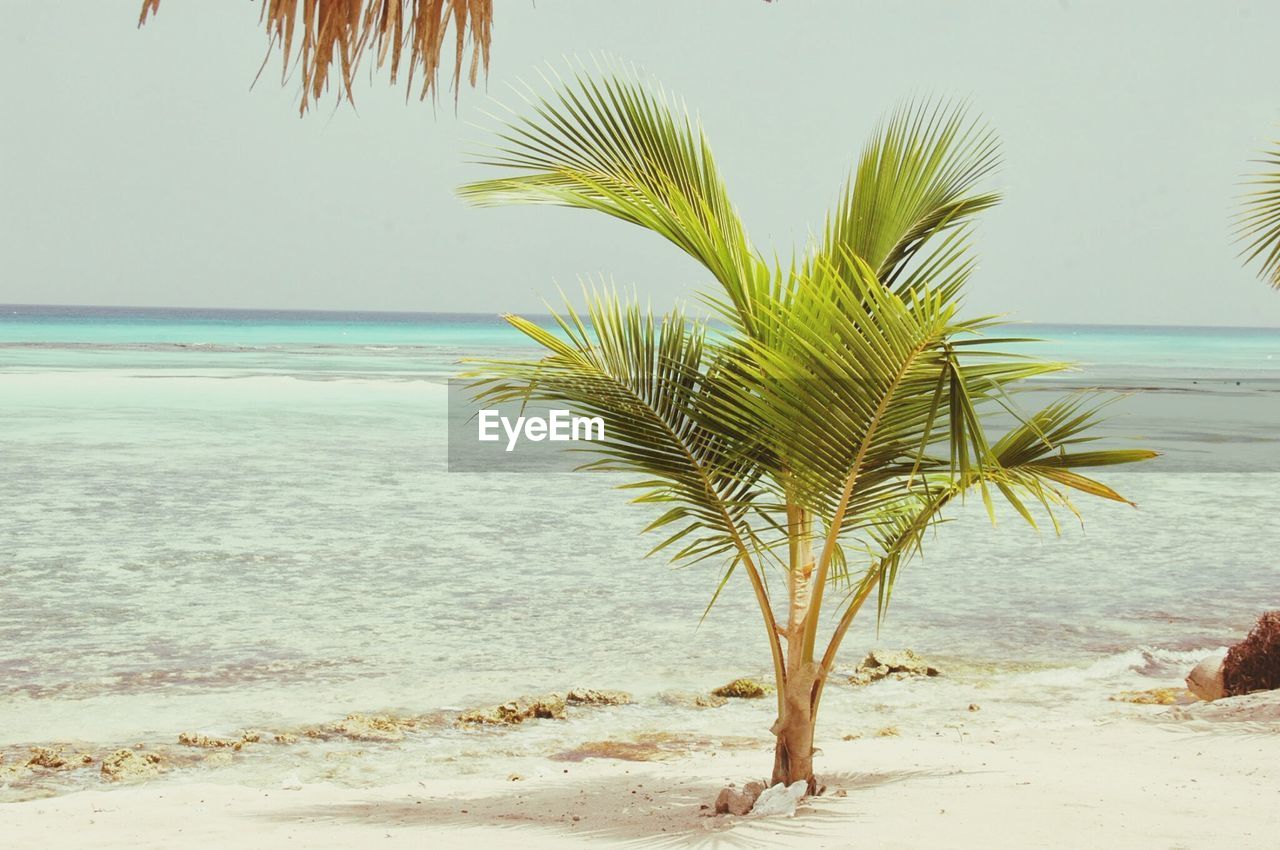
{"points": [[916, 181], [1259, 223], [841, 376], [644, 376], [621, 145]]}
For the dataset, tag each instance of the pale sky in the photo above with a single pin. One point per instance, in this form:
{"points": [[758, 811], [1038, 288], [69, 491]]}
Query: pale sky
{"points": [[138, 167]]}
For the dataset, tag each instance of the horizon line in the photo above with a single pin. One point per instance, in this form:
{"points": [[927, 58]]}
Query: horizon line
{"points": [[499, 313]]}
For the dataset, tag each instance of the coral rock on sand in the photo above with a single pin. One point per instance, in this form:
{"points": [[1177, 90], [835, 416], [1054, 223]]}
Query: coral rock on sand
{"points": [[204, 742], [1205, 680], [47, 758], [731, 801], [590, 696], [881, 664], [743, 689], [53, 758], [1254, 663], [128, 765], [547, 706], [780, 800], [376, 728]]}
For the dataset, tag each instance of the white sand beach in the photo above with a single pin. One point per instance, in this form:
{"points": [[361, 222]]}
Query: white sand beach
{"points": [[1147, 780]]}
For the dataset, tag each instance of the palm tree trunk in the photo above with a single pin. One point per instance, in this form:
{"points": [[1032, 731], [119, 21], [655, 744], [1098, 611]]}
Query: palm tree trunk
{"points": [[793, 753]]}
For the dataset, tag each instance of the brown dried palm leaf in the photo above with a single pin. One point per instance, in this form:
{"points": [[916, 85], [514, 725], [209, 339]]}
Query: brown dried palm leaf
{"points": [[329, 33]]}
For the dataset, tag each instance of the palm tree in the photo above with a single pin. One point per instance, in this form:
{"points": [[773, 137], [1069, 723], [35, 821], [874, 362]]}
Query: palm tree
{"points": [[1259, 223], [339, 32], [812, 437]]}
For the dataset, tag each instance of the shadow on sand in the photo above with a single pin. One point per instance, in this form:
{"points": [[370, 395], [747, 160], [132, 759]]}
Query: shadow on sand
{"points": [[641, 810]]}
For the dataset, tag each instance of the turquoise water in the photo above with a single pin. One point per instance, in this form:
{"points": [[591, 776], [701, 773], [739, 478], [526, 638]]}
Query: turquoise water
{"points": [[32, 334], [248, 342], [220, 520]]}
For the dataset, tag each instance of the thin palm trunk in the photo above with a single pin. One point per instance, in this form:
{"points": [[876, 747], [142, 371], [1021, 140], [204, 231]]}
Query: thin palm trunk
{"points": [[793, 752]]}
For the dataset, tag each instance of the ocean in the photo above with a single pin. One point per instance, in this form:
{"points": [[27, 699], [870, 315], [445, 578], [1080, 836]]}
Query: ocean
{"points": [[220, 520]]}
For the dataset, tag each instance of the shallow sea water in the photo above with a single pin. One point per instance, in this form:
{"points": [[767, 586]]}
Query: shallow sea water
{"points": [[215, 522]]}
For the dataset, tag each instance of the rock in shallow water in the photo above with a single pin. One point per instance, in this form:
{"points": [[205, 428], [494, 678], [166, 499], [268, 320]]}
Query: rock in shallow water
{"points": [[128, 765], [47, 758], [205, 742], [547, 706], [54, 758], [375, 728], [590, 696], [743, 689], [899, 664]]}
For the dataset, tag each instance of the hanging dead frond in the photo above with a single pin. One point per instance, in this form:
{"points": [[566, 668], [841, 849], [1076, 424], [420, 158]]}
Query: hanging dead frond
{"points": [[329, 34]]}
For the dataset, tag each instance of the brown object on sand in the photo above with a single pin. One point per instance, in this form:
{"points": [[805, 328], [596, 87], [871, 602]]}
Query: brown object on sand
{"points": [[1205, 681], [734, 802], [1254, 663]]}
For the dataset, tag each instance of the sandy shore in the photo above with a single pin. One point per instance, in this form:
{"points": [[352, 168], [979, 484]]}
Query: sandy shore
{"points": [[1129, 782]]}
